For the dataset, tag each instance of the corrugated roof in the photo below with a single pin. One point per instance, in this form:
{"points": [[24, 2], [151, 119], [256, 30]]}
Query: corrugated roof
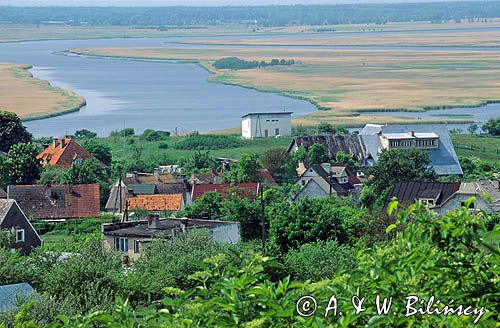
{"points": [[267, 113], [411, 191], [3, 194], [5, 205]]}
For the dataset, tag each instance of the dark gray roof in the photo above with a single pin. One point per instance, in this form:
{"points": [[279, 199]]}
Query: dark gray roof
{"points": [[349, 143], [142, 189], [5, 205], [165, 229], [9, 295], [267, 113], [443, 159], [411, 191]]}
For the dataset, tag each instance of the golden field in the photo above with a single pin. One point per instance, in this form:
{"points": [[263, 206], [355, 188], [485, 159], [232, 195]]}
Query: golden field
{"points": [[350, 83], [33, 98]]}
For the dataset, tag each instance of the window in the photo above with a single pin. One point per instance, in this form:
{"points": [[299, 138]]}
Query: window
{"points": [[20, 236], [136, 246], [121, 244], [343, 180], [427, 202], [277, 132], [472, 205]]}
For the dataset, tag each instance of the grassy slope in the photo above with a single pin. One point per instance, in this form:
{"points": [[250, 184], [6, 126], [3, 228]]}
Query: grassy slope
{"points": [[483, 147]]}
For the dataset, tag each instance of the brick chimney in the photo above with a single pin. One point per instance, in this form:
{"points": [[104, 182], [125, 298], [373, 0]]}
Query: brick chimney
{"points": [[411, 133], [63, 142], [56, 142], [153, 220]]}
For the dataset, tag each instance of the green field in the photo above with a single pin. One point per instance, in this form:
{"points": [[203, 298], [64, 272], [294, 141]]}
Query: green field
{"points": [[483, 147], [121, 148]]}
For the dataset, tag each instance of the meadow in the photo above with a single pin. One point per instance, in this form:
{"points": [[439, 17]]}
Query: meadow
{"points": [[29, 97], [480, 146], [348, 84]]}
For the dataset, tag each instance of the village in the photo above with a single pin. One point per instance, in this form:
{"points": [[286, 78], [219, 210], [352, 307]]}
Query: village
{"points": [[233, 200]]}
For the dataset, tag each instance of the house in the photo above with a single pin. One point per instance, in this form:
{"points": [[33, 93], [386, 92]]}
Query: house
{"points": [[11, 294], [211, 177], [64, 152], [328, 180], [265, 176], [444, 197], [431, 138], [248, 190], [139, 184], [24, 236], [129, 237], [366, 145], [57, 202], [265, 125]]}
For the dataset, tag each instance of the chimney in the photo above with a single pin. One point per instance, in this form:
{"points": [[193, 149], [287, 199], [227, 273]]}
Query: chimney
{"points": [[411, 133], [63, 142], [153, 221], [156, 173], [56, 142], [135, 174]]}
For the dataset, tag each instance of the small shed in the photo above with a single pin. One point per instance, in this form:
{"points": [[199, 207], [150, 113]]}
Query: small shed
{"points": [[266, 125]]}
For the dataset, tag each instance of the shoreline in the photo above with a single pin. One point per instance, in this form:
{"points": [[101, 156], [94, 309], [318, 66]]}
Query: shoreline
{"points": [[218, 77], [52, 113]]}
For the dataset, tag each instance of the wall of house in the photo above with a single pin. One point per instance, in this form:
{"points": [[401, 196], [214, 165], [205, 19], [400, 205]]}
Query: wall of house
{"points": [[15, 219], [250, 126], [227, 233], [456, 201], [312, 190], [109, 244]]}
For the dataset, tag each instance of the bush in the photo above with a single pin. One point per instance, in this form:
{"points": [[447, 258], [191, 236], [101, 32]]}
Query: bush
{"points": [[208, 142], [163, 145], [127, 132], [154, 135]]}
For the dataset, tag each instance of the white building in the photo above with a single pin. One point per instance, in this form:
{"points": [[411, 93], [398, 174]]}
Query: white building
{"points": [[265, 125]]}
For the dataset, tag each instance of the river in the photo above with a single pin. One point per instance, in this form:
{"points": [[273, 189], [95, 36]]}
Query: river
{"points": [[157, 95]]}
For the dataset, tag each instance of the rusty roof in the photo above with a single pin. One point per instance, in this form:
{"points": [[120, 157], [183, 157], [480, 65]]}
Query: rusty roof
{"points": [[57, 201], [155, 202]]}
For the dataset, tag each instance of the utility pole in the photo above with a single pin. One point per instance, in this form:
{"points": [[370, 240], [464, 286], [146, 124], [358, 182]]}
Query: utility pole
{"points": [[263, 215], [330, 182]]}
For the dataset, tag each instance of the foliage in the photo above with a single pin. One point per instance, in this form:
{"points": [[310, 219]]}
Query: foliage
{"points": [[21, 165], [247, 213], [12, 131], [476, 169], [245, 171], [473, 128], [347, 159], [236, 63], [279, 163], [492, 126], [309, 220], [208, 142], [300, 130], [401, 164], [201, 160], [207, 206], [99, 150], [51, 174], [317, 154], [155, 135], [327, 128], [85, 134], [127, 132], [88, 171], [319, 260]]}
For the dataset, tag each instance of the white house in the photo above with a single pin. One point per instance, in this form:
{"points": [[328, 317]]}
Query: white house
{"points": [[265, 125]]}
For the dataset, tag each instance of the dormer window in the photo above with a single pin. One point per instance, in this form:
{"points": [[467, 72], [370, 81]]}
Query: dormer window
{"points": [[427, 202]]}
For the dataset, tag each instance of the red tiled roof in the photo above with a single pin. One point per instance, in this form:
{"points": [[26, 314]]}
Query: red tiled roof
{"points": [[266, 176], [247, 190], [155, 202], [57, 201], [62, 153]]}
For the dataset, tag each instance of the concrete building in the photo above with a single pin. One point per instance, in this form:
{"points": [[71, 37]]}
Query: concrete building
{"points": [[265, 125], [129, 237]]}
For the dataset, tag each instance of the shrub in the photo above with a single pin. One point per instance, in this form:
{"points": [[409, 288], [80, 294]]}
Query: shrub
{"points": [[163, 145], [208, 142], [154, 135]]}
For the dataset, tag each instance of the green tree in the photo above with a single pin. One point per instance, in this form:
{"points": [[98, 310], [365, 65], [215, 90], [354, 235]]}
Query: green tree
{"points": [[154, 135], [12, 131], [347, 159], [51, 175], [279, 163], [208, 206], [85, 134], [21, 164], [317, 154], [402, 164], [326, 128], [89, 171], [247, 213], [492, 126], [202, 160], [100, 151], [473, 128], [245, 171]]}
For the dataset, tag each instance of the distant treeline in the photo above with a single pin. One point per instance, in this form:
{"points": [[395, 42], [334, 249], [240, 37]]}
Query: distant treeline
{"points": [[161, 17], [237, 63]]}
